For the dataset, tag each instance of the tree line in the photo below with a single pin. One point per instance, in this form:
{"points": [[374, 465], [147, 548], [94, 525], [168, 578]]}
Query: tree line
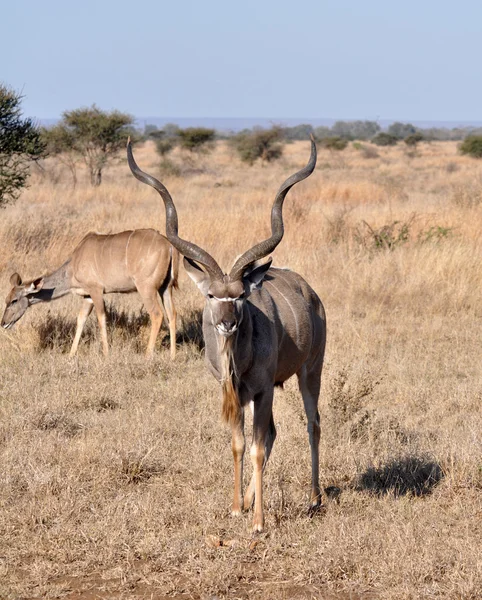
{"points": [[94, 138]]}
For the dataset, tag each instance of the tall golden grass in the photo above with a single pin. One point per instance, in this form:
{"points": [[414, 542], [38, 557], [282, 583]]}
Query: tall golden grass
{"points": [[116, 473]]}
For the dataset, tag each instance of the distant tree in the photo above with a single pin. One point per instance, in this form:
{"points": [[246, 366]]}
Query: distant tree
{"points": [[20, 143], [96, 135], [323, 132], [364, 130], [150, 131], [472, 146], [60, 142], [342, 129], [414, 139], [195, 138], [298, 132], [264, 144], [384, 139], [334, 143], [401, 130], [171, 130]]}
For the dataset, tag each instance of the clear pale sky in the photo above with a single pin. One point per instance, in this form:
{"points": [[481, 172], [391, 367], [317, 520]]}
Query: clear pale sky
{"points": [[409, 60]]}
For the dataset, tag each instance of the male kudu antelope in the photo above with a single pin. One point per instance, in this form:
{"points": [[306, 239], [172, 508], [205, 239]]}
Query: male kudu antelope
{"points": [[141, 260], [261, 325]]}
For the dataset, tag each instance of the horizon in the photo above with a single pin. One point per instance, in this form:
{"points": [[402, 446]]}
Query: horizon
{"points": [[239, 123]]}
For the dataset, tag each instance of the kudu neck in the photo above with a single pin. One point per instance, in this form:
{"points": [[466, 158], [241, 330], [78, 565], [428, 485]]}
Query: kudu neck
{"points": [[55, 285]]}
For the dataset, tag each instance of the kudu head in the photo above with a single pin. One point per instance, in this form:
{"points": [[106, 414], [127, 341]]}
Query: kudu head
{"points": [[225, 293], [19, 299]]}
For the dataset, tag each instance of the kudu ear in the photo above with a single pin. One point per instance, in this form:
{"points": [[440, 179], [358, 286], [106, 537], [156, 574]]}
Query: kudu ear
{"points": [[198, 275], [253, 276], [15, 280], [35, 286]]}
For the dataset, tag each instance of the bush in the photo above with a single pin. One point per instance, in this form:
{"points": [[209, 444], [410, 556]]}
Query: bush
{"points": [[384, 139], [472, 145], [195, 138], [266, 144], [334, 143], [414, 139]]}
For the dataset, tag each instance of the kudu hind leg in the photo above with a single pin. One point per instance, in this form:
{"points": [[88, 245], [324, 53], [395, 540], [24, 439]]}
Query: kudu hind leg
{"points": [[309, 384], [171, 317], [85, 311], [152, 304]]}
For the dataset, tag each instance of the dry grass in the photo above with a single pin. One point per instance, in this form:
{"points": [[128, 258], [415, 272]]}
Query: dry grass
{"points": [[116, 474]]}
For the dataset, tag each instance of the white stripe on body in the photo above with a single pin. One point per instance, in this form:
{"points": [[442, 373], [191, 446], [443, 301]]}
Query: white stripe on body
{"points": [[292, 310]]}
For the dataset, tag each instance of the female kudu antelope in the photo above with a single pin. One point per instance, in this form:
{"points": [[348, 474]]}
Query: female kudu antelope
{"points": [[261, 325], [141, 260]]}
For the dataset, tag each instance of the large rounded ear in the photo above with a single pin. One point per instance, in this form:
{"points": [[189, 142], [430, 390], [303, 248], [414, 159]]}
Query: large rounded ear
{"points": [[15, 280], [35, 286], [253, 276], [198, 275]]}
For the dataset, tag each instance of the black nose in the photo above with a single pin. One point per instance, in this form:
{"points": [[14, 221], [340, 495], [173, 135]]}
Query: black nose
{"points": [[228, 324]]}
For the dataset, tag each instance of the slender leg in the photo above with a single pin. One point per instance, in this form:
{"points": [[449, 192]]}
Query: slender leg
{"points": [[309, 384], [270, 438], [238, 446], [150, 298], [98, 300], [171, 317], [85, 311], [263, 406]]}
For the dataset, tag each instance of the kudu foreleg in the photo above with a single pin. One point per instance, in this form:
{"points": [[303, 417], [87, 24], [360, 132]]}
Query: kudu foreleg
{"points": [[270, 438], [98, 300], [85, 311], [262, 419], [238, 447]]}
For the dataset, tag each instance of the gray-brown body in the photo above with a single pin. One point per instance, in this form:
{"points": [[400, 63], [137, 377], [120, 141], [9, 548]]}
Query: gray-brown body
{"points": [[139, 260], [261, 325], [282, 329]]}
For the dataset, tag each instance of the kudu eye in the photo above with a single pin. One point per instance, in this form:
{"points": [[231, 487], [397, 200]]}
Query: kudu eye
{"points": [[210, 296]]}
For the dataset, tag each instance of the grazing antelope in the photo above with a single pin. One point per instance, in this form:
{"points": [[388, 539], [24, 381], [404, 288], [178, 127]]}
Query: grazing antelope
{"points": [[141, 260], [261, 325]]}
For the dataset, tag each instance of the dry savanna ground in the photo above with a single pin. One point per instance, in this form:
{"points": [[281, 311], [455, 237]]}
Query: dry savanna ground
{"points": [[116, 474]]}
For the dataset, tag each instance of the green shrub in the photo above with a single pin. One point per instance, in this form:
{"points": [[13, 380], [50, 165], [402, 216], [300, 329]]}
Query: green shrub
{"points": [[384, 139], [264, 144], [472, 145], [195, 139], [334, 143], [414, 139]]}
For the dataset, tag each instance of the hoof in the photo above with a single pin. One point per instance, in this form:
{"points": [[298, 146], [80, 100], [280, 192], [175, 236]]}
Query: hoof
{"points": [[236, 512], [316, 509], [257, 527]]}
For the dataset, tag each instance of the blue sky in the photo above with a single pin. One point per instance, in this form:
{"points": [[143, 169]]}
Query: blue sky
{"points": [[341, 59]]}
